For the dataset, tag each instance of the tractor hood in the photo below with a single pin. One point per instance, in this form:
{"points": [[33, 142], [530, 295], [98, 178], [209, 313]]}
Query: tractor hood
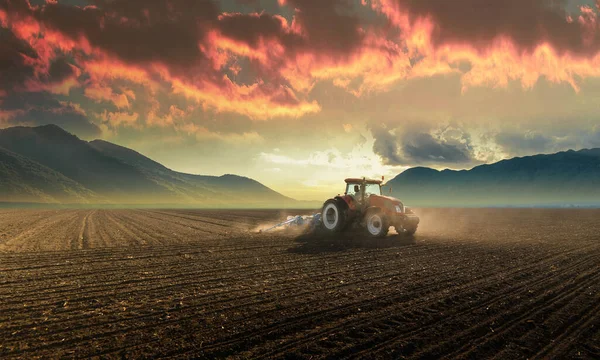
{"points": [[386, 202], [388, 198]]}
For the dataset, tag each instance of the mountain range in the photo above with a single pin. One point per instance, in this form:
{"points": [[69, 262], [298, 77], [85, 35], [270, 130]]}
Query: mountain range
{"points": [[46, 164], [565, 178]]}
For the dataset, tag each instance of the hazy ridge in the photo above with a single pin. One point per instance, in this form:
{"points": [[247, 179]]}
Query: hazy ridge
{"points": [[46, 164], [569, 178]]}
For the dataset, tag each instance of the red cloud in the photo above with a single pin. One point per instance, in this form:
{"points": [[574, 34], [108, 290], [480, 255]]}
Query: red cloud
{"points": [[194, 50], [100, 93], [501, 41], [148, 43]]}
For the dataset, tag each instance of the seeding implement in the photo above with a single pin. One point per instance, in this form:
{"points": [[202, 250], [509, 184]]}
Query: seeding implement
{"points": [[310, 221]]}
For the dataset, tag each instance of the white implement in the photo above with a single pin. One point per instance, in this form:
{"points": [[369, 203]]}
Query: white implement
{"points": [[296, 221]]}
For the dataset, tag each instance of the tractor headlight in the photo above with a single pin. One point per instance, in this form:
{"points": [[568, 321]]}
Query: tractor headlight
{"points": [[398, 208]]}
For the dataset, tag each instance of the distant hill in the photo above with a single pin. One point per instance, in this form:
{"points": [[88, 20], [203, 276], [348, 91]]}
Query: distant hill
{"points": [[49, 165], [24, 180], [564, 178], [227, 188]]}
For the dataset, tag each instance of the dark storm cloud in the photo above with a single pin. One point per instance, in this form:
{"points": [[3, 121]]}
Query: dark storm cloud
{"points": [[387, 146], [137, 31], [328, 26], [331, 26], [250, 29], [514, 142], [60, 69], [527, 22], [64, 2], [22, 70], [186, 43], [423, 148], [13, 53], [328, 31], [171, 32], [416, 147], [23, 88], [526, 142], [41, 109]]}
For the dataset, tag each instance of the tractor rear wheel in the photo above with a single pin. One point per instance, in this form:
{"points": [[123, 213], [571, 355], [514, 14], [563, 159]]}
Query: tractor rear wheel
{"points": [[333, 216], [377, 224]]}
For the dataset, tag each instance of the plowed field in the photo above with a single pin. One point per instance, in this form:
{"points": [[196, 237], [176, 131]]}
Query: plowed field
{"points": [[477, 283]]}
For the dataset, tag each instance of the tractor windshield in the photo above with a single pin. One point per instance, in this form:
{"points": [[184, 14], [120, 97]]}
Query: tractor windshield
{"points": [[373, 189], [370, 189]]}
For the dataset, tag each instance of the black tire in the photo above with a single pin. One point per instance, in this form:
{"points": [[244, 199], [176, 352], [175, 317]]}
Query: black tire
{"points": [[377, 224], [333, 216]]}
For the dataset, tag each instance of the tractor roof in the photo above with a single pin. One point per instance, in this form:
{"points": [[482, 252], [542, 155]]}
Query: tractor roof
{"points": [[358, 180]]}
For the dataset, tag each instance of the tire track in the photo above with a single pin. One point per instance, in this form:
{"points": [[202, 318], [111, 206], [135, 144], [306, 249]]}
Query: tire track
{"points": [[82, 240]]}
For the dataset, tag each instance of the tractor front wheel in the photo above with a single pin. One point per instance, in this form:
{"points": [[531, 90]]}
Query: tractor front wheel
{"points": [[377, 224], [333, 216]]}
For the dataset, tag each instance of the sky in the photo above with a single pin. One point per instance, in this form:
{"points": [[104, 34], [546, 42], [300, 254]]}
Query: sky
{"points": [[300, 94]]}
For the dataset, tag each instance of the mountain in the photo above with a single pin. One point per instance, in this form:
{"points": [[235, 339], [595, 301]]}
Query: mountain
{"points": [[63, 152], [47, 164], [228, 188], [565, 178], [23, 180]]}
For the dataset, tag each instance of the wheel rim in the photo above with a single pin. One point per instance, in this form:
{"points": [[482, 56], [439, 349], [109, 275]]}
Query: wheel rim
{"points": [[330, 216], [374, 224]]}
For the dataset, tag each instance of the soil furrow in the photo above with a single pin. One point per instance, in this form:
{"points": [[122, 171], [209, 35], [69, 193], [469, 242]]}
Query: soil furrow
{"points": [[423, 329], [153, 283]]}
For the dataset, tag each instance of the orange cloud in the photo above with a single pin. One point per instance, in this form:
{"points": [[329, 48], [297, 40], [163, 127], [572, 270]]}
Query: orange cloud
{"points": [[500, 59], [3, 18], [174, 116], [264, 66], [111, 69], [55, 83], [100, 93], [254, 101], [118, 119]]}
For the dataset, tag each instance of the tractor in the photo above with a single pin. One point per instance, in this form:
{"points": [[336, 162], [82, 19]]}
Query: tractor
{"points": [[364, 206]]}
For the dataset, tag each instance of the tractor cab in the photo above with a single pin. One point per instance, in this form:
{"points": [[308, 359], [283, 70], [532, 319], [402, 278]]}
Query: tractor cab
{"points": [[361, 189]]}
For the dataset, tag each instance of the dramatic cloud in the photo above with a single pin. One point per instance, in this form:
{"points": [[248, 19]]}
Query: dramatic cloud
{"points": [[526, 142], [34, 109], [22, 68], [523, 142], [499, 41], [102, 93], [449, 146], [264, 65], [173, 42]]}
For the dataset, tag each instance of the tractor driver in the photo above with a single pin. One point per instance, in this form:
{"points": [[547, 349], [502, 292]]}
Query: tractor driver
{"points": [[357, 193]]}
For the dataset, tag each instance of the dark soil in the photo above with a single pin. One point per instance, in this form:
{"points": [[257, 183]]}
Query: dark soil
{"points": [[477, 283]]}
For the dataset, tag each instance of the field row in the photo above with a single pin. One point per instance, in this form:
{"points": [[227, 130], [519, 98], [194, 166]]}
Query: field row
{"points": [[50, 230], [492, 286]]}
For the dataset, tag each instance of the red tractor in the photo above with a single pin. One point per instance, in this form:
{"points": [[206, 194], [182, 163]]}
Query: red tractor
{"points": [[364, 206]]}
